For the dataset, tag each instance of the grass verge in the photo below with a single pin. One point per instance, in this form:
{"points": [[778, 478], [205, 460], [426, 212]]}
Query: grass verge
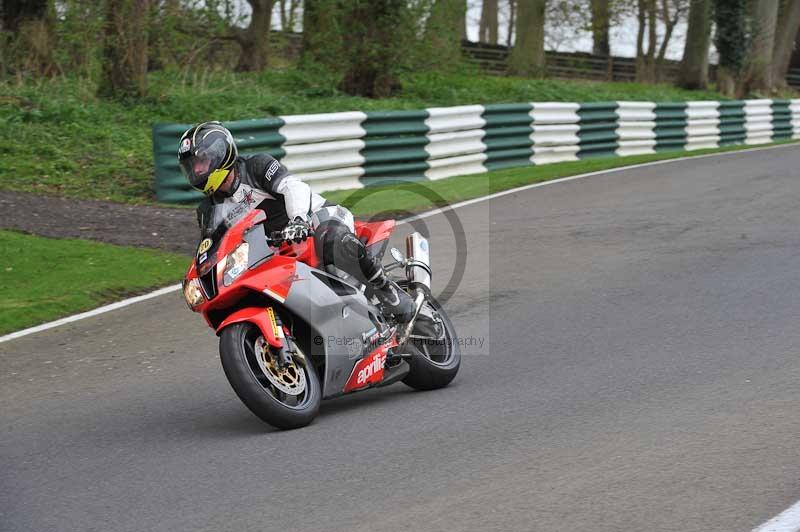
{"points": [[402, 199], [45, 279]]}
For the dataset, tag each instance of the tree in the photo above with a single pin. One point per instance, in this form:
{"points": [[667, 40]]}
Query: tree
{"points": [[15, 12], [444, 30], [124, 71], [731, 42], [254, 40], [649, 64], [527, 56], [758, 64], [785, 36], [31, 26], [694, 66], [601, 23], [322, 38], [374, 46], [488, 26], [288, 12], [512, 22]]}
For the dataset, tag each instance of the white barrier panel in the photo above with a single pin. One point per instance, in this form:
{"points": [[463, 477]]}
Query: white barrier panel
{"points": [[555, 132], [702, 129], [323, 155], [794, 106], [636, 128], [305, 129], [456, 143], [555, 142], [340, 178], [758, 121], [452, 166], [554, 113], [459, 118]]}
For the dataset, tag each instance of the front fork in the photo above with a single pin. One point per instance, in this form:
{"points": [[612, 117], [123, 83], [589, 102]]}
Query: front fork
{"points": [[287, 351]]}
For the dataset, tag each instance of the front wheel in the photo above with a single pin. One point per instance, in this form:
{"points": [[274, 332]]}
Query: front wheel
{"points": [[435, 353], [286, 398]]}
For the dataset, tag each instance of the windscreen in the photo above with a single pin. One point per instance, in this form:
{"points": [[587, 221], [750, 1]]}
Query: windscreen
{"points": [[215, 220]]}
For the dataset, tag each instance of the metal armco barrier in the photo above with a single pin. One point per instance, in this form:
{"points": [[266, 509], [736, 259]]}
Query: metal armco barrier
{"points": [[355, 149]]}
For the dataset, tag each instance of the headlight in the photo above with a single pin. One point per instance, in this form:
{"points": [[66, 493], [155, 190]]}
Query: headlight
{"points": [[236, 263], [192, 292]]}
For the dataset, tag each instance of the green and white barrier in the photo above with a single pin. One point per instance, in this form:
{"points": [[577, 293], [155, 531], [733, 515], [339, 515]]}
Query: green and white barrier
{"points": [[355, 149]]}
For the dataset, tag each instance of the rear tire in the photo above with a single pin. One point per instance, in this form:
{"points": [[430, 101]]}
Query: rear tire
{"points": [[434, 365], [238, 352]]}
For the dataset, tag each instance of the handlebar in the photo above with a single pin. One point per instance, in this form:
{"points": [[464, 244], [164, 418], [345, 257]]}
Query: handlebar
{"points": [[276, 238]]}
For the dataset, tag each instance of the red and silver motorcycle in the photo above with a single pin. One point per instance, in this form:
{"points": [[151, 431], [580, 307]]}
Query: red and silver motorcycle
{"points": [[292, 334]]}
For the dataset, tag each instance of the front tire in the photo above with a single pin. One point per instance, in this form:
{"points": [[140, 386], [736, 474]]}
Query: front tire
{"points": [[247, 366], [434, 364]]}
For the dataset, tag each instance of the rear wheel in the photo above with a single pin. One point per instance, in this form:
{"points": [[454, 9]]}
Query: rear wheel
{"points": [[435, 353], [286, 398]]}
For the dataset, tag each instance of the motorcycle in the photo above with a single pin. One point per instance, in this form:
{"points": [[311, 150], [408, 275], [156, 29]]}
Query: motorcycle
{"points": [[293, 333]]}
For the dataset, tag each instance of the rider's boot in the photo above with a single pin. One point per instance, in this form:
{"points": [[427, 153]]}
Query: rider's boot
{"points": [[393, 299]]}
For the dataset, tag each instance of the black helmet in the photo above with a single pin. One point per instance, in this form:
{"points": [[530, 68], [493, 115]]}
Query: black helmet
{"points": [[206, 155]]}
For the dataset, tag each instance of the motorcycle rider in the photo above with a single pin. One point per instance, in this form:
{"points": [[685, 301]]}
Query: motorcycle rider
{"points": [[209, 158]]}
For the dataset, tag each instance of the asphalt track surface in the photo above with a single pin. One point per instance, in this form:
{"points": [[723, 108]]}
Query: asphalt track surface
{"points": [[639, 371]]}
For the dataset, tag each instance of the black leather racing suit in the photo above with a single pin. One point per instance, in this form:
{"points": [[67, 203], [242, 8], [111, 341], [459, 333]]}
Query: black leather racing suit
{"points": [[261, 182]]}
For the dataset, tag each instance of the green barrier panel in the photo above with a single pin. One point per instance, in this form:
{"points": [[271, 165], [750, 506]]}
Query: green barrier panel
{"points": [[598, 126], [731, 122], [508, 135], [394, 146], [781, 120], [670, 130]]}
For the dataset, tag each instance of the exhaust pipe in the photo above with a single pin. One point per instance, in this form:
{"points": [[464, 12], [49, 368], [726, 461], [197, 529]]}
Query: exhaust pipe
{"points": [[418, 265]]}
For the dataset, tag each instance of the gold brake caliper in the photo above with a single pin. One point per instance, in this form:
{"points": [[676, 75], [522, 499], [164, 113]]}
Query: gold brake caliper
{"points": [[289, 379]]}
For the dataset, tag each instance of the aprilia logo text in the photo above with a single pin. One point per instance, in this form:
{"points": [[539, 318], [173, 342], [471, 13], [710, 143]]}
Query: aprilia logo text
{"points": [[372, 368]]}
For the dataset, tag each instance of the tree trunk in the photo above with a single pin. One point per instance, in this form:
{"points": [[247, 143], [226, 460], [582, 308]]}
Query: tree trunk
{"points": [[254, 40], [731, 42], [785, 35], [652, 38], [645, 60], [669, 26], [124, 73], [527, 56], [283, 14], [292, 15], [601, 23], [373, 46], [694, 66], [512, 22], [488, 25], [758, 75]]}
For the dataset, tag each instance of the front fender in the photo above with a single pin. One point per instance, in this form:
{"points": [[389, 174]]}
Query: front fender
{"points": [[263, 318]]}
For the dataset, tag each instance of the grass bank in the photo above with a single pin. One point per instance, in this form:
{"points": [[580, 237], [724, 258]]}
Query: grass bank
{"points": [[45, 279], [57, 138]]}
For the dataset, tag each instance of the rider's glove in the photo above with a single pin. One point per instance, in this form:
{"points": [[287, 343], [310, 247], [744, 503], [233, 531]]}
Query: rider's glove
{"points": [[297, 230]]}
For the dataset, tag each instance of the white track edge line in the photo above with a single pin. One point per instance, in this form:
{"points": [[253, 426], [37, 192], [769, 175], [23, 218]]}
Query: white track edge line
{"points": [[90, 313], [427, 214], [786, 521]]}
